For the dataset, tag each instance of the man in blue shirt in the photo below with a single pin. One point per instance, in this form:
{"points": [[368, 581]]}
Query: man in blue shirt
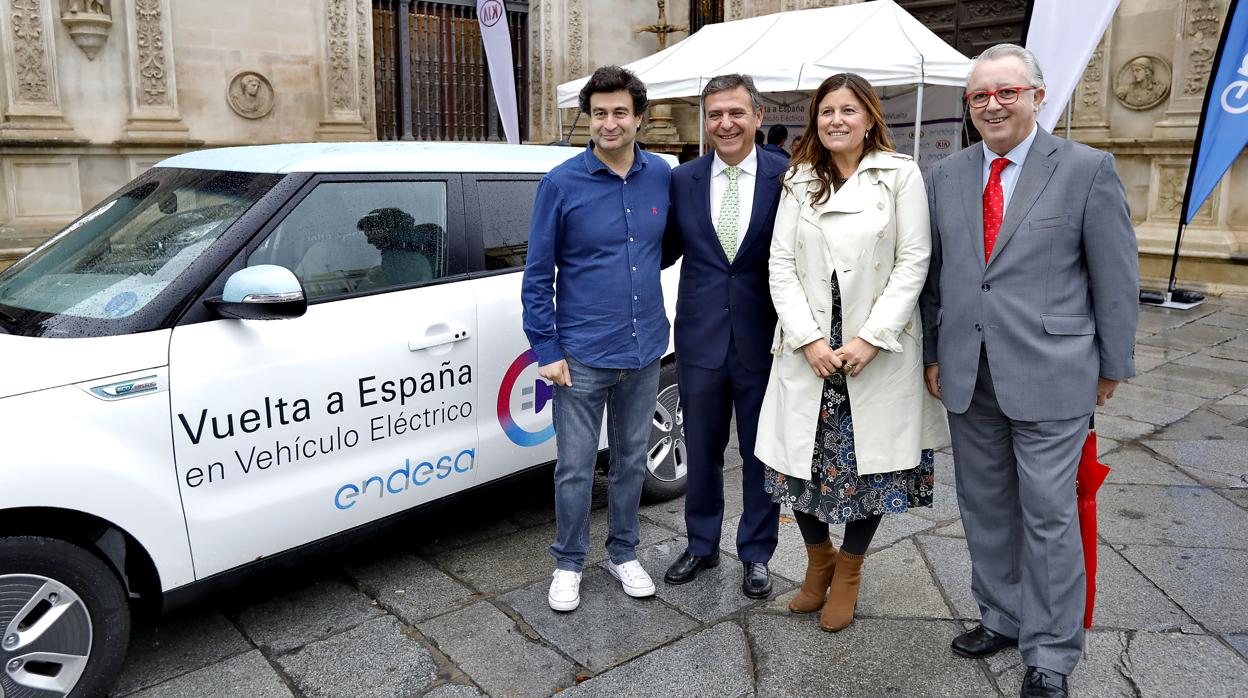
{"points": [[599, 328]]}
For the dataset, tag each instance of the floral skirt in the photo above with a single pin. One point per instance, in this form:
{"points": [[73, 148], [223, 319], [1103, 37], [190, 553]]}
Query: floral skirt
{"points": [[835, 492]]}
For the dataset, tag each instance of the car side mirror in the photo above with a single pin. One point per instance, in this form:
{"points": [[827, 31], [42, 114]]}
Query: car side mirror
{"points": [[262, 292]]}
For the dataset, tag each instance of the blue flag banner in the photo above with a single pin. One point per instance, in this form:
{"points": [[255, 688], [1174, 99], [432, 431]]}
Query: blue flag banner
{"points": [[1224, 124]]}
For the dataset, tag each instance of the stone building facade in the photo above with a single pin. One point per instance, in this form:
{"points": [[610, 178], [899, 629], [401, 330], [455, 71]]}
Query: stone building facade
{"points": [[92, 92], [95, 91]]}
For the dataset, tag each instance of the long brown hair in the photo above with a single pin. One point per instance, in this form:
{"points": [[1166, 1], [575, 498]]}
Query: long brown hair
{"points": [[810, 151]]}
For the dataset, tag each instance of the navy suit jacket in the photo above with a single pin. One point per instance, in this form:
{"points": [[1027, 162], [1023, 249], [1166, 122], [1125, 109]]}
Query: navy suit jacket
{"points": [[720, 301]]}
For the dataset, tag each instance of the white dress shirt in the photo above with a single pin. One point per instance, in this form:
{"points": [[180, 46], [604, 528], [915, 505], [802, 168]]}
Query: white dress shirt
{"points": [[745, 190], [1009, 175]]}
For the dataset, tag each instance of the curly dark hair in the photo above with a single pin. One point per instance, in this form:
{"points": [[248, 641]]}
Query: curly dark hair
{"points": [[810, 151], [613, 78]]}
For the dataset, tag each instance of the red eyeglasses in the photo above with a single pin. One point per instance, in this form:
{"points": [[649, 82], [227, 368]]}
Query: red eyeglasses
{"points": [[1004, 95]]}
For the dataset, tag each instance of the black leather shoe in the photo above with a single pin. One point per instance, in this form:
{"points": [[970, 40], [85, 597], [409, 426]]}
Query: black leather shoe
{"points": [[1043, 684], [980, 642], [687, 565], [756, 581]]}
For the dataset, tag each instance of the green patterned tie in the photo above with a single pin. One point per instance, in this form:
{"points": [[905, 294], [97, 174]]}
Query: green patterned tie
{"points": [[730, 213]]}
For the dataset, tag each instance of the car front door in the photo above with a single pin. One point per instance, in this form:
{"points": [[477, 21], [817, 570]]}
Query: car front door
{"points": [[287, 431]]}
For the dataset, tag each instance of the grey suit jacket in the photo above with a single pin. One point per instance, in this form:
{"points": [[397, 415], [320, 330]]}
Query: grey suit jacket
{"points": [[1057, 304]]}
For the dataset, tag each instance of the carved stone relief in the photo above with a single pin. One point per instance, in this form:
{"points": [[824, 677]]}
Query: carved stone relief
{"points": [[338, 36], [557, 40], [1202, 27], [153, 87], [735, 10], [88, 23], [1143, 82], [250, 95], [31, 52], [1169, 182], [364, 58]]}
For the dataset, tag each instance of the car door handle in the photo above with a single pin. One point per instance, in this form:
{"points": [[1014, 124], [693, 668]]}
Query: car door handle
{"points": [[454, 334]]}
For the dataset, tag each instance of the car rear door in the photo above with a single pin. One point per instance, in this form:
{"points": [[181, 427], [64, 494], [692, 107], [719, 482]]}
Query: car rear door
{"points": [[287, 431]]}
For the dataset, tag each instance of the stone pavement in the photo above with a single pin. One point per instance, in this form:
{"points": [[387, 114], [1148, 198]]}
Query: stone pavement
{"points": [[454, 604]]}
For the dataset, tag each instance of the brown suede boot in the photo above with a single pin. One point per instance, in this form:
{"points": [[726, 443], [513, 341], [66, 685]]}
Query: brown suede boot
{"points": [[838, 610], [820, 563]]}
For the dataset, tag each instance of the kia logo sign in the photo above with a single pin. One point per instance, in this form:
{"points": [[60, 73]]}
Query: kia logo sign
{"points": [[489, 12], [942, 144]]}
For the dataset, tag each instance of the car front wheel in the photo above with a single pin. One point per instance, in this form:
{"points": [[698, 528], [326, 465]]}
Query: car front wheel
{"points": [[665, 455], [64, 620]]}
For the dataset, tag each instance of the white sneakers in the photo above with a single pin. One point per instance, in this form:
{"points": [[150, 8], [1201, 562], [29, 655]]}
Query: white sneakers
{"points": [[565, 587], [633, 578], [565, 590]]}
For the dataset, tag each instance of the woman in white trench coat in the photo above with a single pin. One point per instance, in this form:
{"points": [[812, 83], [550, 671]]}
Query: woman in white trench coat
{"points": [[849, 254]]}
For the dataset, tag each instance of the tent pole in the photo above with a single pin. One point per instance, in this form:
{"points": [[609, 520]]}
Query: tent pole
{"points": [[559, 118], [918, 120]]}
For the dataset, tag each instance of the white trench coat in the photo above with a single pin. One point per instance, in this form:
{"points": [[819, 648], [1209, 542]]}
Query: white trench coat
{"points": [[874, 233]]}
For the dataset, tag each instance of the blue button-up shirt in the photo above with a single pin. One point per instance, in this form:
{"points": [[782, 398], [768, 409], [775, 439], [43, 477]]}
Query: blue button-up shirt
{"points": [[604, 235]]}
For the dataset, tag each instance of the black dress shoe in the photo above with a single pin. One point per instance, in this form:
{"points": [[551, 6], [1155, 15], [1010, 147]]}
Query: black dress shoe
{"points": [[980, 642], [756, 581], [1039, 683], [687, 565]]}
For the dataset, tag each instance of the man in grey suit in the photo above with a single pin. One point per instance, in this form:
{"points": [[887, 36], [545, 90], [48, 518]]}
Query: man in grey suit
{"points": [[1029, 317]]}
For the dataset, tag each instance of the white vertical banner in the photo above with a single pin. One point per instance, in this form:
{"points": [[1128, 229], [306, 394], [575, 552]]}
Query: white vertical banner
{"points": [[1063, 34], [492, 17]]}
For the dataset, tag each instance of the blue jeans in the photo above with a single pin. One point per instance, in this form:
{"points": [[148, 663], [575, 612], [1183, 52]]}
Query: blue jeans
{"points": [[628, 396]]}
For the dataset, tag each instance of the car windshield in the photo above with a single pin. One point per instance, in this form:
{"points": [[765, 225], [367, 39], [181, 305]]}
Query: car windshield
{"points": [[120, 255]]}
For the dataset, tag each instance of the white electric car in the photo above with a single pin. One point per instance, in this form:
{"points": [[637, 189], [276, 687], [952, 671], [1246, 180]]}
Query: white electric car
{"points": [[247, 350]]}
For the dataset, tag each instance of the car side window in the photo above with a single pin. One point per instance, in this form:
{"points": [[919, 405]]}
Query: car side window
{"points": [[354, 237], [506, 212]]}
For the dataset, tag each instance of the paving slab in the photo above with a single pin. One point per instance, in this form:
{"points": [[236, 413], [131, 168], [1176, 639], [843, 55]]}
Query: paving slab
{"points": [[944, 469], [178, 645], [1174, 515], [410, 587], [894, 527], [950, 560], [1238, 495], [608, 628], [1208, 583], [1155, 320], [1150, 405], [1216, 463], [1234, 350], [454, 690], [1098, 675], [456, 527], [872, 657], [1226, 318], [1239, 642], [944, 505], [953, 530], [245, 675], [515, 560], [1121, 428], [1136, 466], [1127, 600], [379, 659], [1205, 424], [286, 621], [499, 657], [1191, 336], [713, 663], [713, 594], [1235, 367], [1156, 355], [896, 583], [1191, 380], [1171, 664]]}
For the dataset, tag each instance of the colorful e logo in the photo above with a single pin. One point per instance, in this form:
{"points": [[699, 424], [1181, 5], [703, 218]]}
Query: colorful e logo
{"points": [[534, 399]]}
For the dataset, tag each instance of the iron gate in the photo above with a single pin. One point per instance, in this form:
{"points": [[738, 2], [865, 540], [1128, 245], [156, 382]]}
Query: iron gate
{"points": [[432, 81]]}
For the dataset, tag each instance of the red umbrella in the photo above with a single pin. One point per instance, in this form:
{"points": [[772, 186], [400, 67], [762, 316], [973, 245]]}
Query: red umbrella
{"points": [[1091, 474]]}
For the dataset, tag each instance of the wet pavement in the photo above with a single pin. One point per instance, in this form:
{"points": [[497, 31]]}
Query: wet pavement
{"points": [[460, 609]]}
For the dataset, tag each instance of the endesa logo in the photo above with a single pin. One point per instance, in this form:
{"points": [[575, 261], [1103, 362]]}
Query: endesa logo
{"points": [[533, 398], [403, 479]]}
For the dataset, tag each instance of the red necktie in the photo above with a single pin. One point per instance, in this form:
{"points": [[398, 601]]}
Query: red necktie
{"points": [[994, 206]]}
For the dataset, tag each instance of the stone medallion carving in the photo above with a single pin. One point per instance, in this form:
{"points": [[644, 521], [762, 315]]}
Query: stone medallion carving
{"points": [[250, 95], [1143, 82], [88, 23]]}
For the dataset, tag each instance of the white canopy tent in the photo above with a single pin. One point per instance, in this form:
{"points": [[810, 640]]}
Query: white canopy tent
{"points": [[792, 52]]}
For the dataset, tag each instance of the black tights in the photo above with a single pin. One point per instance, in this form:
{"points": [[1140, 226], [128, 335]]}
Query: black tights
{"points": [[858, 534]]}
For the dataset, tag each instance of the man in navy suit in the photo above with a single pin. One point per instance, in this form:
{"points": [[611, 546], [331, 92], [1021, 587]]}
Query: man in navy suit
{"points": [[722, 211]]}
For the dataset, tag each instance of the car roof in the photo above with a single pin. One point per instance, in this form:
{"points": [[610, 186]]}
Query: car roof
{"points": [[390, 156]]}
